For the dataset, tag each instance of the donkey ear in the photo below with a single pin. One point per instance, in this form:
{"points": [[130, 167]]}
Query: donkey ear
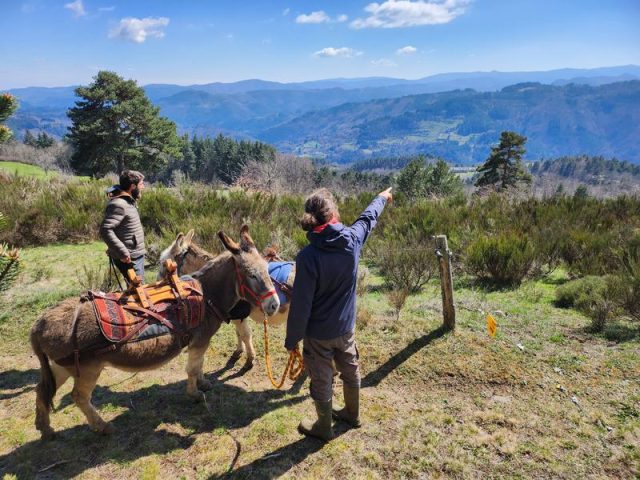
{"points": [[188, 237], [246, 242], [229, 244], [178, 241]]}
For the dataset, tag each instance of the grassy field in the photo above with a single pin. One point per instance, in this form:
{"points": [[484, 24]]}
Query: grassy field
{"points": [[544, 399], [23, 169]]}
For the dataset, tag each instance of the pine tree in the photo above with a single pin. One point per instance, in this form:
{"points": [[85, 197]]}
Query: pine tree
{"points": [[29, 139], [44, 140], [115, 126], [8, 105], [504, 168]]}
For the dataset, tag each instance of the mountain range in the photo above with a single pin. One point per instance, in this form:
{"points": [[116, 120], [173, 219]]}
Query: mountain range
{"points": [[454, 115]]}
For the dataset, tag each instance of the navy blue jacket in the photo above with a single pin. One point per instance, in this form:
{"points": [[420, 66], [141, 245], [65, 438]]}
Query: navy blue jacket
{"points": [[323, 305]]}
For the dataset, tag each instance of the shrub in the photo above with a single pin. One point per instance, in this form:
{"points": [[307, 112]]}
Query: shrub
{"points": [[362, 281], [581, 293], [397, 299], [624, 288], [591, 296], [505, 259], [9, 266], [404, 261], [97, 279]]}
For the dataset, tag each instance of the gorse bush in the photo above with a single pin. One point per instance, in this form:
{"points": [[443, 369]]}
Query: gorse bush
{"points": [[505, 259]]}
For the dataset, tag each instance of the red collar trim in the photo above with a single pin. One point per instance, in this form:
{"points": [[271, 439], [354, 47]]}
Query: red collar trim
{"points": [[320, 228]]}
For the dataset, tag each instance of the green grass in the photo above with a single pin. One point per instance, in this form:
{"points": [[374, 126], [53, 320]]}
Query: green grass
{"points": [[25, 170], [460, 405]]}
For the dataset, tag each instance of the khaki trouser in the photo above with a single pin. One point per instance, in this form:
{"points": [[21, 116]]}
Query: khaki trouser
{"points": [[319, 356]]}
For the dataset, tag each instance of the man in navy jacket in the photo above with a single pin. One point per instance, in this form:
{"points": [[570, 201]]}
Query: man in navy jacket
{"points": [[323, 306]]}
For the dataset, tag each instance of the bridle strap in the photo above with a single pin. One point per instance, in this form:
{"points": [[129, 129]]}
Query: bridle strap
{"points": [[244, 289]]}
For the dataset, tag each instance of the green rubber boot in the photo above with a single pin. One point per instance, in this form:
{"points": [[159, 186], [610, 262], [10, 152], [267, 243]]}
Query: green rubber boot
{"points": [[351, 411], [322, 427]]}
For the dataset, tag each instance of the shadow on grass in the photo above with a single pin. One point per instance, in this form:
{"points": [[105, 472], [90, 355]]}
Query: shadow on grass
{"points": [[148, 427], [21, 380], [374, 378], [278, 462], [621, 332]]}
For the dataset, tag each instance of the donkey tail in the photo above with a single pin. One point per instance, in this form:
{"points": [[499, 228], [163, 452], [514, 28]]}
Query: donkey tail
{"points": [[46, 389]]}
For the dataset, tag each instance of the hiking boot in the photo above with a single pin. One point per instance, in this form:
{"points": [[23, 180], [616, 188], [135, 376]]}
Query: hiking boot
{"points": [[322, 427], [351, 411]]}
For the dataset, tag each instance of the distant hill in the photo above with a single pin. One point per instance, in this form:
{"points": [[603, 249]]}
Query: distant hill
{"points": [[462, 125], [299, 117]]}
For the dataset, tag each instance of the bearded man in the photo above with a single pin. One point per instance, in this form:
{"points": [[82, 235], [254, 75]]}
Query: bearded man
{"points": [[121, 228]]}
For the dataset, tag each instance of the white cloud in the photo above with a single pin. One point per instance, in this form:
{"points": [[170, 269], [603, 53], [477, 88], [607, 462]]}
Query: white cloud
{"points": [[409, 13], [313, 17], [408, 50], [286, 11], [337, 52], [383, 62], [138, 29], [342, 18], [76, 7]]}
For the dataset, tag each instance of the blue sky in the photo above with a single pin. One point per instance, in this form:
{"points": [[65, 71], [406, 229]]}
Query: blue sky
{"points": [[56, 43]]}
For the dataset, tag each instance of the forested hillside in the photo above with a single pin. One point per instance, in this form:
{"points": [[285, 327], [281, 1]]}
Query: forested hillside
{"points": [[461, 125]]}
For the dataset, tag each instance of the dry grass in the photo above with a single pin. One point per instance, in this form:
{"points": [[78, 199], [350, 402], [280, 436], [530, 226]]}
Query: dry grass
{"points": [[456, 405]]}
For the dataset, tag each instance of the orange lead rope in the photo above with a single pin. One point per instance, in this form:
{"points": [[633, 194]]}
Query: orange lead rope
{"points": [[295, 364]]}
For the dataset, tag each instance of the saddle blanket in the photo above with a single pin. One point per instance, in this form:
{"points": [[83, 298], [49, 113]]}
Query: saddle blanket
{"points": [[119, 319], [280, 271]]}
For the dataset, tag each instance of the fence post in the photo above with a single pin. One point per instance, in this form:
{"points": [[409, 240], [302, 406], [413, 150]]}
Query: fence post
{"points": [[446, 282]]}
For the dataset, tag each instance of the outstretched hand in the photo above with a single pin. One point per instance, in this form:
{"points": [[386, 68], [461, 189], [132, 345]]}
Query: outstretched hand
{"points": [[387, 194]]}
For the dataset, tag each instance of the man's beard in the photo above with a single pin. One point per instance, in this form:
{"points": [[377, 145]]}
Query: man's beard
{"points": [[135, 193]]}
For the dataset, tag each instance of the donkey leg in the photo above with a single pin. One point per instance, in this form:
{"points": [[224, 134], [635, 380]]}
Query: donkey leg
{"points": [[81, 394], [239, 345], [43, 414], [196, 383], [60, 373], [244, 331]]}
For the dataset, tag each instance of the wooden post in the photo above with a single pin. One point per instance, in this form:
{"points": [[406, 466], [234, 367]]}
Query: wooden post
{"points": [[446, 282]]}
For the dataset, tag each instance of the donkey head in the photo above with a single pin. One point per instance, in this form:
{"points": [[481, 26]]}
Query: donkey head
{"points": [[252, 274], [187, 255]]}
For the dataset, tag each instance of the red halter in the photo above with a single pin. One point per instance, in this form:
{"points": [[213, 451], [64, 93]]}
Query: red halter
{"points": [[244, 289]]}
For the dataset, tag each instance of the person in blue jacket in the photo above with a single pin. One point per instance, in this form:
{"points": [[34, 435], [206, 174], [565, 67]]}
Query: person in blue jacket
{"points": [[323, 306]]}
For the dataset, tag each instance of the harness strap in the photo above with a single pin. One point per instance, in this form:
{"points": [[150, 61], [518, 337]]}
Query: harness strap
{"points": [[244, 289], [284, 287], [74, 336]]}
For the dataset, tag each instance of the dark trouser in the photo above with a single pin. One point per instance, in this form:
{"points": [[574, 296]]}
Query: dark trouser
{"points": [[318, 360], [138, 267]]}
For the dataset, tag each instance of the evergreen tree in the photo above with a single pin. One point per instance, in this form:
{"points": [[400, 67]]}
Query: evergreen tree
{"points": [[410, 178], [420, 180], [504, 168], [115, 126], [188, 164], [44, 140], [30, 139], [8, 105], [581, 193]]}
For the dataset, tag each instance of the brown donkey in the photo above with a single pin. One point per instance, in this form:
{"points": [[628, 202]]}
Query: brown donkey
{"points": [[225, 280], [189, 257]]}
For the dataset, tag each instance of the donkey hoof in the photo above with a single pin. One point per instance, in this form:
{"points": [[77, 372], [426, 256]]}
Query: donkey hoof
{"points": [[204, 385], [236, 354], [248, 365], [48, 434], [197, 396], [106, 429]]}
